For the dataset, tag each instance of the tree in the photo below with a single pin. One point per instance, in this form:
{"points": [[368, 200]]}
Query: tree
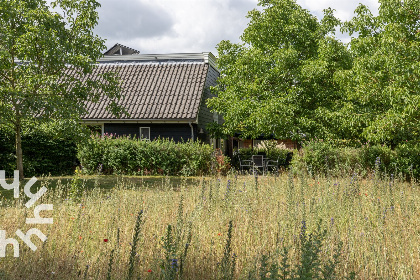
{"points": [[382, 88], [38, 48], [279, 80]]}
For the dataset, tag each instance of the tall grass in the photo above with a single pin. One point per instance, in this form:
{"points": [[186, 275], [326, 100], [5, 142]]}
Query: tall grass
{"points": [[288, 227]]}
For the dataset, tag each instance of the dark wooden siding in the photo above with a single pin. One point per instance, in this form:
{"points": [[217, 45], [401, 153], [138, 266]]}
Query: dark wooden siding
{"points": [[204, 114], [177, 132]]}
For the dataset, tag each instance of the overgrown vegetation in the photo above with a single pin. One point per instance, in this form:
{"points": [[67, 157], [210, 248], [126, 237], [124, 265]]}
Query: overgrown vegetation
{"points": [[225, 229]]}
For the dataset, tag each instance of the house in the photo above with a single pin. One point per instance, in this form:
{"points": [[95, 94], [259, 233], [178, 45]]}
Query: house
{"points": [[164, 94]]}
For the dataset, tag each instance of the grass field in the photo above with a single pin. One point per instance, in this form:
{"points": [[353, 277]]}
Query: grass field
{"points": [[295, 226]]}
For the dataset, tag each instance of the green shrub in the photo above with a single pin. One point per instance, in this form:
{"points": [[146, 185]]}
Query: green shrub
{"points": [[7, 150], [407, 159], [47, 149], [335, 158], [378, 157], [131, 156]]}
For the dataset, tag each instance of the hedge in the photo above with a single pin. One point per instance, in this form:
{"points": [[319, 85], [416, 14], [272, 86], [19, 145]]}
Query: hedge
{"points": [[335, 158], [44, 152], [131, 156]]}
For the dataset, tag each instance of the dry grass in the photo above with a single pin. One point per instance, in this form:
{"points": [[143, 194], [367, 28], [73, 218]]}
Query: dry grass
{"points": [[377, 220]]}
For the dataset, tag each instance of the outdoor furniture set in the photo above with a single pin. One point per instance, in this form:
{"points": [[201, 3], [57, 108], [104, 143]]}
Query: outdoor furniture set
{"points": [[260, 161]]}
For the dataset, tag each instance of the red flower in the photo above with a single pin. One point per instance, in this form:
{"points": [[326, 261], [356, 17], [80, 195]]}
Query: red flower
{"points": [[80, 237], [149, 270], [219, 234], [105, 240]]}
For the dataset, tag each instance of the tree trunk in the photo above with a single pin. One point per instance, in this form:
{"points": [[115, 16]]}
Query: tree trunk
{"points": [[19, 160]]}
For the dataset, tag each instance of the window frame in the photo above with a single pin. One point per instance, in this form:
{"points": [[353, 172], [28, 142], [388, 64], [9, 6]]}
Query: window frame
{"points": [[140, 135]]}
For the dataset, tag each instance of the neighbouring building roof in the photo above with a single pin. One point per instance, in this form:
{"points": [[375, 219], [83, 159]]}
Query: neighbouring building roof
{"points": [[119, 49], [155, 87]]}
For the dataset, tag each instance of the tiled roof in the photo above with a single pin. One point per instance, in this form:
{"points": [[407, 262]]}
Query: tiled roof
{"points": [[154, 91]]}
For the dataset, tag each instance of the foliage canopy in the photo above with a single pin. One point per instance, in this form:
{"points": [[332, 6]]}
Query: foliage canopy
{"points": [[291, 78], [279, 80], [382, 88]]}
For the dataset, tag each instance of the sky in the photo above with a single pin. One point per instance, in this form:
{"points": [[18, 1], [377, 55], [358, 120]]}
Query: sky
{"points": [[183, 26]]}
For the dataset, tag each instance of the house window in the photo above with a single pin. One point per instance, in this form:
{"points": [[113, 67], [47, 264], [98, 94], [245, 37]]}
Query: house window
{"points": [[145, 133]]}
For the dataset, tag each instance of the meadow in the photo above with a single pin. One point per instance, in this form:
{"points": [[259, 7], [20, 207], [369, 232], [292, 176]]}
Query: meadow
{"points": [[293, 226]]}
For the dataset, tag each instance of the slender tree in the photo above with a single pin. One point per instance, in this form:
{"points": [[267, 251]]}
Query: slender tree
{"points": [[38, 46]]}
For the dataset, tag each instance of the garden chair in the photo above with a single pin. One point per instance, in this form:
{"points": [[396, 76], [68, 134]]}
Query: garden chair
{"points": [[244, 163], [258, 162], [272, 165]]}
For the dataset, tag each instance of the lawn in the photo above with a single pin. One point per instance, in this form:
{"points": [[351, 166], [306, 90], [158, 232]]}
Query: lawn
{"points": [[235, 227]]}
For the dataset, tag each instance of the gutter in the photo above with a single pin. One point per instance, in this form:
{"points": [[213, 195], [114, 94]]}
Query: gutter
{"points": [[138, 120], [192, 131]]}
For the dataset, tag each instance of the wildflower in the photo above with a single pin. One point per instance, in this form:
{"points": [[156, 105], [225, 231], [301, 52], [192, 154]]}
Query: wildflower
{"points": [[149, 270], [219, 234], [174, 263], [378, 161], [105, 240], [303, 229], [80, 237]]}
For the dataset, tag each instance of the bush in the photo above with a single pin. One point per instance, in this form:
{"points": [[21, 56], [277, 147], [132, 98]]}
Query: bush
{"points": [[45, 150], [407, 159], [7, 150], [131, 156], [324, 157], [334, 158]]}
